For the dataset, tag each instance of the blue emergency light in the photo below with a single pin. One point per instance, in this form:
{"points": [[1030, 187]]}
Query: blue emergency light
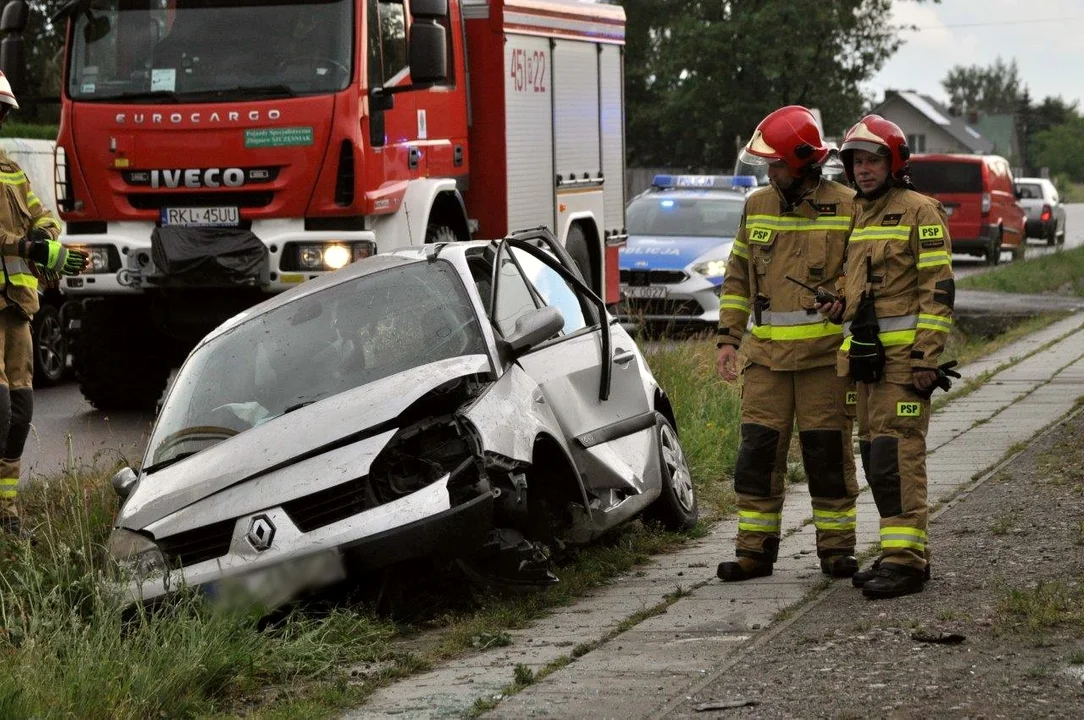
{"points": [[704, 181]]}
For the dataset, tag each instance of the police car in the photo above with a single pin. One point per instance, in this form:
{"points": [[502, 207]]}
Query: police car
{"points": [[681, 231]]}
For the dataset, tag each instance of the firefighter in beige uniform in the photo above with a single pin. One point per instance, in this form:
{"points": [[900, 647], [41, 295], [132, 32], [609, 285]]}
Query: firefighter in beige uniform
{"points": [[797, 227], [30, 251], [897, 315]]}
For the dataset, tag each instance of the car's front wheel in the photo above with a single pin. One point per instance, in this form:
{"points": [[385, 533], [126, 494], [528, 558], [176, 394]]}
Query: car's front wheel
{"points": [[676, 506]]}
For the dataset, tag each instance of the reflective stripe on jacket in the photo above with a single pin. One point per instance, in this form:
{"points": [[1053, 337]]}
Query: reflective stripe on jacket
{"points": [[22, 212]]}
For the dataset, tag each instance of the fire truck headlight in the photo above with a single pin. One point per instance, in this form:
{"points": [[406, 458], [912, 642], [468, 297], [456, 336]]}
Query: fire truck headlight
{"points": [[336, 256], [98, 258], [310, 257]]}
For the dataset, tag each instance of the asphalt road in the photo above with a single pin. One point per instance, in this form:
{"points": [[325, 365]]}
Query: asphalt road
{"points": [[68, 431]]}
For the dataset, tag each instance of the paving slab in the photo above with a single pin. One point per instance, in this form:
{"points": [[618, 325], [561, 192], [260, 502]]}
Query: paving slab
{"points": [[638, 671]]}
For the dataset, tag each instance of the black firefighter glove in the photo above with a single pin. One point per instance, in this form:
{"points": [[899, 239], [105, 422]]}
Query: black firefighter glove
{"points": [[945, 373], [53, 257]]}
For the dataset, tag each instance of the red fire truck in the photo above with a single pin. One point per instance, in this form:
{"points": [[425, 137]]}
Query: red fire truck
{"points": [[214, 151]]}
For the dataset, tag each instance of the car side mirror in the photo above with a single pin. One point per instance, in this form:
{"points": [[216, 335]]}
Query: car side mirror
{"points": [[124, 481], [535, 327]]}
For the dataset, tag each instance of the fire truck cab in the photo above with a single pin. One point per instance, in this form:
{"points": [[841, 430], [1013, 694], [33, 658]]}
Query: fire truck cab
{"points": [[214, 151]]}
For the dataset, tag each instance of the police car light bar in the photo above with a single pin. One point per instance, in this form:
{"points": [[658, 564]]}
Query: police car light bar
{"points": [[704, 181]]}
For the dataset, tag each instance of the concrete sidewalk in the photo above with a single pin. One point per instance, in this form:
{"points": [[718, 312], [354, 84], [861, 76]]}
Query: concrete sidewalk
{"points": [[694, 622]]}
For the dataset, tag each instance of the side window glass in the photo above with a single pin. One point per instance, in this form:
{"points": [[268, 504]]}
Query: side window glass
{"points": [[554, 291], [514, 298], [393, 42], [376, 63]]}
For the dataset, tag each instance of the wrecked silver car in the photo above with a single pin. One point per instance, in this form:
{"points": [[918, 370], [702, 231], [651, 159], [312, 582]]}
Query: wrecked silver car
{"points": [[466, 400]]}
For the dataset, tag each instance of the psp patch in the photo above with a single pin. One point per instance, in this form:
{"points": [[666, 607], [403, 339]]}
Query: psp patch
{"points": [[931, 232], [759, 235], [908, 409], [891, 220], [852, 397]]}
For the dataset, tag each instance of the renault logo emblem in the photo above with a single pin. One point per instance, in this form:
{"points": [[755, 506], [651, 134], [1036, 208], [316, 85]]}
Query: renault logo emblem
{"points": [[261, 532]]}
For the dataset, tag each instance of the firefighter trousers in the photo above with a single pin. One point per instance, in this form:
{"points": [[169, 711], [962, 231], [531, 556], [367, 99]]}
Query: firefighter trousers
{"points": [[892, 426], [16, 404], [772, 402]]}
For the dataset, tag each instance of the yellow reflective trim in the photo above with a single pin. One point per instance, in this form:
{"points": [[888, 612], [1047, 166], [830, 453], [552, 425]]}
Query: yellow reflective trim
{"points": [[931, 232], [933, 259], [900, 232], [739, 302], [934, 327], [10, 482], [740, 251], [32, 199], [9, 494], [790, 224], [897, 337], [46, 220], [15, 178], [21, 280], [853, 512], [796, 332], [904, 530]]}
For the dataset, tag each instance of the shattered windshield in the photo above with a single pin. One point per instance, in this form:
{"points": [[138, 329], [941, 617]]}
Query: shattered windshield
{"points": [[326, 343], [209, 50]]}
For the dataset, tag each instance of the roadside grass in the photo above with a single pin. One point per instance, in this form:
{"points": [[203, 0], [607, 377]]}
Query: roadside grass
{"points": [[1045, 606], [68, 651], [1074, 192], [29, 131], [1061, 272]]}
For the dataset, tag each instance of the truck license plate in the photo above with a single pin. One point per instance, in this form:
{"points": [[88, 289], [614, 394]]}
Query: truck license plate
{"points": [[645, 292], [201, 217]]}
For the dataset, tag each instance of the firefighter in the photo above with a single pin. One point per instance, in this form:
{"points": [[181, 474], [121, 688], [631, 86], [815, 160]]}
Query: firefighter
{"points": [[897, 314], [797, 227], [30, 252]]}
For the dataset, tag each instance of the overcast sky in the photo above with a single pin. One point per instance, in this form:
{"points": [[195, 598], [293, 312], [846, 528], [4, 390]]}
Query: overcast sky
{"points": [[1045, 36]]}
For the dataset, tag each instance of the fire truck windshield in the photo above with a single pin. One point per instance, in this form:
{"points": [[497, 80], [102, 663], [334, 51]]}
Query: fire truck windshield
{"points": [[209, 50]]}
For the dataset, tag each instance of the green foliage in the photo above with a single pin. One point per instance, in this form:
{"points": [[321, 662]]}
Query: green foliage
{"points": [[1061, 272], [28, 131], [991, 89], [1061, 148], [701, 75]]}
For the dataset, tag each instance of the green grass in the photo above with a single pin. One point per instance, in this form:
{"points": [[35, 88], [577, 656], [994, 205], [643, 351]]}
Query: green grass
{"points": [[1061, 272], [27, 131], [1046, 606], [1074, 192]]}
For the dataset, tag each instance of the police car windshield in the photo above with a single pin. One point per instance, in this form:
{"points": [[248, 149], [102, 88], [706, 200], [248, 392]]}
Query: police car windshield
{"points": [[676, 215]]}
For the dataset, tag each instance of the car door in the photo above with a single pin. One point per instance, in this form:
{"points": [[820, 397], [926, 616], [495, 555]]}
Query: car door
{"points": [[611, 434]]}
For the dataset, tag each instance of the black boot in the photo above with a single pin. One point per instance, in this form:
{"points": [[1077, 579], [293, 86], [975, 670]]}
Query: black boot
{"points": [[839, 566], [860, 578], [744, 568], [893, 580]]}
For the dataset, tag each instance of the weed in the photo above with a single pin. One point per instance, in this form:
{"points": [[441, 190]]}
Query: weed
{"points": [[1001, 526]]}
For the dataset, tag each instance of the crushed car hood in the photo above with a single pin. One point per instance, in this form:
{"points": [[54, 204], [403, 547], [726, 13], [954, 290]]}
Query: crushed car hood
{"points": [[328, 424]]}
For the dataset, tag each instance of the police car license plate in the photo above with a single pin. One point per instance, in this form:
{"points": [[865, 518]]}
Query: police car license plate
{"points": [[201, 217], [645, 292]]}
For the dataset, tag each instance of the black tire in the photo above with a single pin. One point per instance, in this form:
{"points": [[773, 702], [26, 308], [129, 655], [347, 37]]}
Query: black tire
{"points": [[50, 347], [121, 361], [1060, 236], [993, 253], [439, 234], [1052, 236], [676, 507], [576, 247]]}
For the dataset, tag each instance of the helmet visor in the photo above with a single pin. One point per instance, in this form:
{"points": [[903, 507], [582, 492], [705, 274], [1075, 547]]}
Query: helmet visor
{"points": [[866, 145]]}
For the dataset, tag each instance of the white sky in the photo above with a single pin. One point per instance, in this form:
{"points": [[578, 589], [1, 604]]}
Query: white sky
{"points": [[1045, 36]]}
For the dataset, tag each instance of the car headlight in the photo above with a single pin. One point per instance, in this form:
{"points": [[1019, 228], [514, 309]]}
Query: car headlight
{"points": [[711, 268], [136, 553]]}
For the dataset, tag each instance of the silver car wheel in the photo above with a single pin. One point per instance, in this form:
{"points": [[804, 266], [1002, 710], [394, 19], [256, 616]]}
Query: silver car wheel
{"points": [[677, 468]]}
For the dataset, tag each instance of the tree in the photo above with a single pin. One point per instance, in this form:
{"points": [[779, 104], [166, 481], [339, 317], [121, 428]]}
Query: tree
{"points": [[702, 73], [44, 46], [1061, 149], [993, 89]]}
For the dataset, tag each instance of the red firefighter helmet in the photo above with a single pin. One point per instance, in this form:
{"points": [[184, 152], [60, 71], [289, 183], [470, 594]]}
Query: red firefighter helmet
{"points": [[790, 134], [876, 135]]}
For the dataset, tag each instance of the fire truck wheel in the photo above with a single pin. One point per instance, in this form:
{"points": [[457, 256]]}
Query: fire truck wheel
{"points": [[576, 245], [118, 357], [439, 234]]}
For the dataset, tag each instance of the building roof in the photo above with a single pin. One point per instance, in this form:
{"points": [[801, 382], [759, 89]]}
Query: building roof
{"points": [[939, 115]]}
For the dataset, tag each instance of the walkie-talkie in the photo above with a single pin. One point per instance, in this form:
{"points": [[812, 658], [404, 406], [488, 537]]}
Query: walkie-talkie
{"points": [[822, 296]]}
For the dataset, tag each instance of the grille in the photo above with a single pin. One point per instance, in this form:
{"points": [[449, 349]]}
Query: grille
{"points": [[331, 505], [668, 308], [652, 277], [157, 201], [195, 546]]}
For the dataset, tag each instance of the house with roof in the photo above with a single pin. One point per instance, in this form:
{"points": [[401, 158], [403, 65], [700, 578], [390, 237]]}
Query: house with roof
{"points": [[931, 127]]}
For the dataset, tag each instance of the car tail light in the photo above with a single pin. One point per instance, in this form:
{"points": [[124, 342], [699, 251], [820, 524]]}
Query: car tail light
{"points": [[985, 203], [1046, 213]]}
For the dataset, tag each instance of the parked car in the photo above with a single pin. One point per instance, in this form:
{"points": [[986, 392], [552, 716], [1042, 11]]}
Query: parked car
{"points": [[1044, 208], [979, 197], [469, 400], [681, 231]]}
